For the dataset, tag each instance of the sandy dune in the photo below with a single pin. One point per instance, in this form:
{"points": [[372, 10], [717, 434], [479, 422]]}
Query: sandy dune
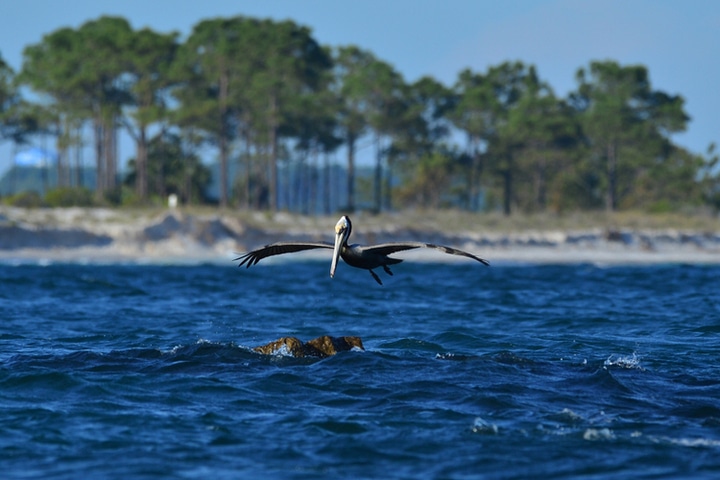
{"points": [[107, 236]]}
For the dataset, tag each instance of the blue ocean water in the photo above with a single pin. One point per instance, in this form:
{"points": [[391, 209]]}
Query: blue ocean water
{"points": [[513, 371]]}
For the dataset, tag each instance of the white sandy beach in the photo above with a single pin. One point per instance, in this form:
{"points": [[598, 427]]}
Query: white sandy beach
{"points": [[112, 236]]}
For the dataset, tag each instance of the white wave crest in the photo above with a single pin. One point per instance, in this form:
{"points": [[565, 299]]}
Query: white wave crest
{"points": [[623, 361], [481, 426], [598, 434]]}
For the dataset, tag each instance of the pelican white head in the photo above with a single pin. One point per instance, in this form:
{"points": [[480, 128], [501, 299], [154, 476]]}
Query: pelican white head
{"points": [[342, 232]]}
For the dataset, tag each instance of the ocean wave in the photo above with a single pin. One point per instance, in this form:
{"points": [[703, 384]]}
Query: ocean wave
{"points": [[631, 362]]}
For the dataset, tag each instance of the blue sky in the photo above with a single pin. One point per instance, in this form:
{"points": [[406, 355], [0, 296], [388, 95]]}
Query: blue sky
{"points": [[679, 41]]}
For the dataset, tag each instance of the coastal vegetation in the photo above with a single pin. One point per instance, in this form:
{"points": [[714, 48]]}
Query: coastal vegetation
{"points": [[277, 121]]}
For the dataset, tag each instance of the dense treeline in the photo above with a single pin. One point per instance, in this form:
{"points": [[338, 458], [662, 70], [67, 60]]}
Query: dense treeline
{"points": [[268, 98]]}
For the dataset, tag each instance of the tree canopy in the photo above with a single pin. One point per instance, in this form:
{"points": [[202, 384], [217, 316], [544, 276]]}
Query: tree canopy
{"points": [[270, 101]]}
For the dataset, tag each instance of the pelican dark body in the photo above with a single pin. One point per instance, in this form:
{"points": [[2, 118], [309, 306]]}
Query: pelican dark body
{"points": [[358, 256]]}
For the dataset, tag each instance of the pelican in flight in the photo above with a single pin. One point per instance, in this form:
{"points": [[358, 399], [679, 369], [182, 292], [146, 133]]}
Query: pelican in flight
{"points": [[358, 256]]}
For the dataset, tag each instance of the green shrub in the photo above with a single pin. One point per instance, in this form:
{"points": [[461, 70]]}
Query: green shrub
{"points": [[113, 196], [69, 197], [661, 206], [29, 199]]}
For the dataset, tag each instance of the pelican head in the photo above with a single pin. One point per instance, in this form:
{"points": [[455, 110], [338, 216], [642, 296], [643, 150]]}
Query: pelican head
{"points": [[342, 232]]}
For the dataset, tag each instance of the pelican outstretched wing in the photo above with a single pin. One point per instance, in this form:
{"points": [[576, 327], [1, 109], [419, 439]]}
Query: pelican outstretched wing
{"points": [[251, 258], [388, 248]]}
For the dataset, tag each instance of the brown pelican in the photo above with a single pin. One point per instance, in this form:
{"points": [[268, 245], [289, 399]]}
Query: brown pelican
{"points": [[367, 257]]}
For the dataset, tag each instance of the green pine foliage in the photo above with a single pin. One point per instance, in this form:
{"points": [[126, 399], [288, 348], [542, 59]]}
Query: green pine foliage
{"points": [[265, 98]]}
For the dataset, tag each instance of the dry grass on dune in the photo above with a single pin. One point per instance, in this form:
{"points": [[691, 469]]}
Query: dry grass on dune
{"points": [[459, 221]]}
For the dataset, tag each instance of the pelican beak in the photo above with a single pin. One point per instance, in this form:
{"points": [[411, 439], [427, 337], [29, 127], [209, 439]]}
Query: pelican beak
{"points": [[339, 239]]}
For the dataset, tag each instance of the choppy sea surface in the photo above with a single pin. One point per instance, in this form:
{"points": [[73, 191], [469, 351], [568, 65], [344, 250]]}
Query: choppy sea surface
{"points": [[513, 371]]}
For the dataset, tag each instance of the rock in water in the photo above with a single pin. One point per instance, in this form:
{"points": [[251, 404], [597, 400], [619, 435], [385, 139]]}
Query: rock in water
{"points": [[320, 347], [286, 345], [326, 346]]}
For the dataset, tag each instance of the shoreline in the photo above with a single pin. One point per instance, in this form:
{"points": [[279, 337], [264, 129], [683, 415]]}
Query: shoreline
{"points": [[105, 236]]}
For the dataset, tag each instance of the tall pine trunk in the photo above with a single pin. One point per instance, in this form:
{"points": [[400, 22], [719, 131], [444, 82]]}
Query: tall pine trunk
{"points": [[141, 165], [473, 179], [110, 152], [507, 175], [611, 194], [248, 170], [326, 184], [378, 175], [224, 154], [351, 173], [79, 166], [541, 183], [388, 185], [273, 158], [100, 185]]}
